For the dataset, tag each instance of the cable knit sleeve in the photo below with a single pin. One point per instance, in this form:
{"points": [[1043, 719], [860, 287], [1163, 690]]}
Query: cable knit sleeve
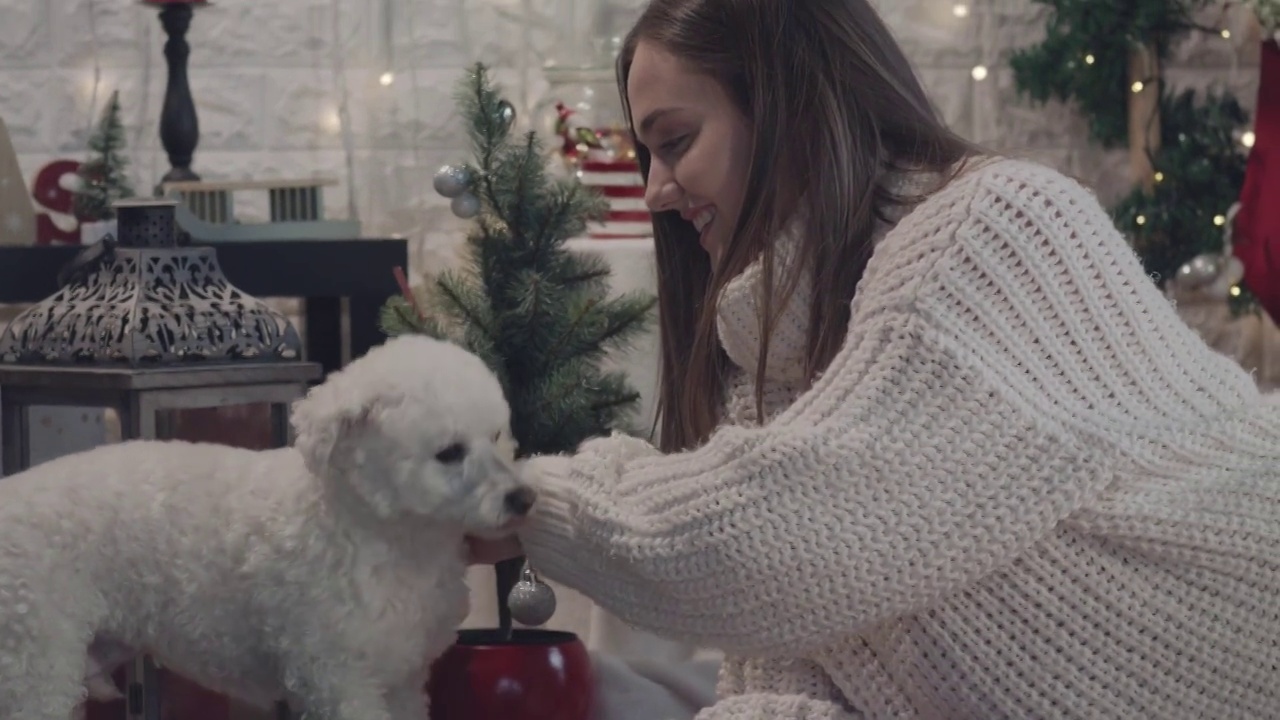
{"points": [[909, 470]]}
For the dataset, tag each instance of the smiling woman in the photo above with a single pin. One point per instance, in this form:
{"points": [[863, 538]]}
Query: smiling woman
{"points": [[1003, 480]]}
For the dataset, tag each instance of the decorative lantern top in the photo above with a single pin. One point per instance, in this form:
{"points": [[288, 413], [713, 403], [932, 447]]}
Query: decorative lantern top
{"points": [[148, 299]]}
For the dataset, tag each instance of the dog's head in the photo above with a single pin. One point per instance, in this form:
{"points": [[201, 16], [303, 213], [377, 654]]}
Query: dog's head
{"points": [[417, 427]]}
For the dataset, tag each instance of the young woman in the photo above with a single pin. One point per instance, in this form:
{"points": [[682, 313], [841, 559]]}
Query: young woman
{"points": [[1001, 479]]}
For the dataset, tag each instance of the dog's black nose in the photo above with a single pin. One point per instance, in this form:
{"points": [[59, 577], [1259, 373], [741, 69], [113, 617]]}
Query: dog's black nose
{"points": [[520, 501]]}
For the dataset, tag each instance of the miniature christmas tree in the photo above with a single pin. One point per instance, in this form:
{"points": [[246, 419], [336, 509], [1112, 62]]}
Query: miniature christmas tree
{"points": [[537, 313], [104, 177]]}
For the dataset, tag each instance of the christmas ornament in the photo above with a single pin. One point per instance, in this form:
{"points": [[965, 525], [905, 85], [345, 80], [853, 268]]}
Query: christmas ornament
{"points": [[532, 602], [506, 114], [452, 181], [1200, 270], [465, 206]]}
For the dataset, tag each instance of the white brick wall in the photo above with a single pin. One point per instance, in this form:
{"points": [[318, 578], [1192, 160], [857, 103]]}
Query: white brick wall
{"points": [[264, 82]]}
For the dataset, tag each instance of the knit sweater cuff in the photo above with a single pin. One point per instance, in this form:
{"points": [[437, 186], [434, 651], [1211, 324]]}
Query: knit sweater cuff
{"points": [[549, 534], [776, 707]]}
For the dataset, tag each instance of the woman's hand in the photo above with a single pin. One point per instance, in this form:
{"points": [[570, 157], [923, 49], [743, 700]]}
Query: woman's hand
{"points": [[491, 552]]}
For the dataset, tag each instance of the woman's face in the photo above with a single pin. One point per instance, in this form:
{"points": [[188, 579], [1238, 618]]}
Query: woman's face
{"points": [[699, 144]]}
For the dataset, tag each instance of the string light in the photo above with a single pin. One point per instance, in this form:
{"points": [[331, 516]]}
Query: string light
{"points": [[1141, 219], [1235, 291], [979, 72], [1226, 33], [1219, 220], [960, 10], [1248, 138], [387, 78], [1089, 59], [1159, 176], [1137, 86]]}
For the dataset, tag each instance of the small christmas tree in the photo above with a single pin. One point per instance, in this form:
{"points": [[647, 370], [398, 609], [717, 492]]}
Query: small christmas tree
{"points": [[104, 177], [537, 313]]}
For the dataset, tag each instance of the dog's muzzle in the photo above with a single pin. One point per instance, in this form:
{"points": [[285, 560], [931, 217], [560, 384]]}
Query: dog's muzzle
{"points": [[520, 501]]}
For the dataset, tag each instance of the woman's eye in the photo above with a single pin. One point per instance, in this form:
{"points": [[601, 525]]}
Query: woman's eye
{"points": [[674, 145]]}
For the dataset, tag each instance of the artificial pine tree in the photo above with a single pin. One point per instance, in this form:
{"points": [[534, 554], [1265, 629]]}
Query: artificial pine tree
{"points": [[104, 177], [538, 314]]}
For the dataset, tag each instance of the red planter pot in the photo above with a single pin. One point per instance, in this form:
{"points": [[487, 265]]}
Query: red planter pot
{"points": [[537, 675]]}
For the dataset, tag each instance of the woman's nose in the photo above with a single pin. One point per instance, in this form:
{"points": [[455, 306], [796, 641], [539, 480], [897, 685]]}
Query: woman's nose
{"points": [[662, 192]]}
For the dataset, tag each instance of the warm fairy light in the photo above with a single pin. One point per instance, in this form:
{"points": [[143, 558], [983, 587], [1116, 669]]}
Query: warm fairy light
{"points": [[979, 72], [1141, 219], [1159, 177], [960, 10], [1219, 220], [387, 78], [1137, 86], [1247, 139], [1235, 291], [1089, 59], [1226, 33]]}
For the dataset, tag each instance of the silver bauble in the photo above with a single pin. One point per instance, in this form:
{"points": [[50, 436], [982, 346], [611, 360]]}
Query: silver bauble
{"points": [[1200, 270], [531, 601], [452, 181], [506, 114], [465, 206]]}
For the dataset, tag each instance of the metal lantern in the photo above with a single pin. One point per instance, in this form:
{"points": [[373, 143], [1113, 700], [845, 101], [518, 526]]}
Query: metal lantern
{"points": [[146, 325], [145, 299]]}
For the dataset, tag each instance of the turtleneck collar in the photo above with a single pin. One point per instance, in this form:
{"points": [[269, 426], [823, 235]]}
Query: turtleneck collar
{"points": [[740, 308]]}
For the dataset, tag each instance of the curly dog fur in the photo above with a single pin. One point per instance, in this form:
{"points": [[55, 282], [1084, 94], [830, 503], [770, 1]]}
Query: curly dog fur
{"points": [[329, 574]]}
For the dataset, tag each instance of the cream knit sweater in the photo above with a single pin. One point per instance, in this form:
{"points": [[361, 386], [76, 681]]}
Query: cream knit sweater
{"points": [[1023, 489]]}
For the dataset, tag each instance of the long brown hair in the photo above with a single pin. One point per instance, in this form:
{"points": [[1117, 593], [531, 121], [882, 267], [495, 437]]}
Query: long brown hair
{"points": [[833, 104]]}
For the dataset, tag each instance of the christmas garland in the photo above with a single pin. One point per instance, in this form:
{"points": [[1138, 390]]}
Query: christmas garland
{"points": [[1198, 168]]}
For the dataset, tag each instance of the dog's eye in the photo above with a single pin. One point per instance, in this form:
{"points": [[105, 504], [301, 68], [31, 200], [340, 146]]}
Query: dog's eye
{"points": [[452, 454]]}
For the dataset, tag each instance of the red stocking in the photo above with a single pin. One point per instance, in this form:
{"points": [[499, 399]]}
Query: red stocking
{"points": [[1257, 223]]}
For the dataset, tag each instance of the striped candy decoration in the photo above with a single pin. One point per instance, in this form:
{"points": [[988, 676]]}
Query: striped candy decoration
{"points": [[619, 181]]}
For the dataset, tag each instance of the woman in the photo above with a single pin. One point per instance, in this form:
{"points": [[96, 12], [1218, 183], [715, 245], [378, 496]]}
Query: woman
{"points": [[1002, 479]]}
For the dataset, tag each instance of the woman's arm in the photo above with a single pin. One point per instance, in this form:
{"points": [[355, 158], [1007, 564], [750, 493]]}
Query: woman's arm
{"points": [[907, 477], [924, 459]]}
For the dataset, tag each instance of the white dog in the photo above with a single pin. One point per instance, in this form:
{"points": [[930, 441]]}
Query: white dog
{"points": [[329, 574]]}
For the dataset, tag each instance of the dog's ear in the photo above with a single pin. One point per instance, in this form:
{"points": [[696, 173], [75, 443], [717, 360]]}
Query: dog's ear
{"points": [[323, 425], [329, 432]]}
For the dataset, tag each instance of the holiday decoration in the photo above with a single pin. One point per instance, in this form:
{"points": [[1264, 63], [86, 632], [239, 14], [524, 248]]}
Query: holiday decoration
{"points": [[1256, 227], [534, 675], [538, 314], [465, 206], [1186, 162], [532, 602], [104, 178], [605, 159], [54, 194], [452, 180]]}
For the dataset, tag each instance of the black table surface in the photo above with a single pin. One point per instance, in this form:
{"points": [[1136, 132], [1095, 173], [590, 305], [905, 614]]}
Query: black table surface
{"points": [[322, 272]]}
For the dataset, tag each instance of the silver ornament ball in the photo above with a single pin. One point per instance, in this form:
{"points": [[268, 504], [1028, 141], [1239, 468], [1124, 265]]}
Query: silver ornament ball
{"points": [[506, 114], [452, 181], [1200, 270], [465, 206], [531, 601]]}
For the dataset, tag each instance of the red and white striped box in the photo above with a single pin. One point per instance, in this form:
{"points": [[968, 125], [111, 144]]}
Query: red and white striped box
{"points": [[620, 182]]}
